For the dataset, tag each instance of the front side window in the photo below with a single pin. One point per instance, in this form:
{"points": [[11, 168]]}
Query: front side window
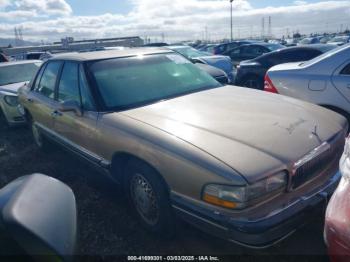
{"points": [[68, 88], [10, 74], [125, 83], [47, 82]]}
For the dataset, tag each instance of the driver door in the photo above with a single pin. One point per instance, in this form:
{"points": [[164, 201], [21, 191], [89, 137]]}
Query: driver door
{"points": [[76, 131]]}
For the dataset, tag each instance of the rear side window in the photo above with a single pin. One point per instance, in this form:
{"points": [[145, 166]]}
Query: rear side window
{"points": [[346, 70], [47, 83], [68, 88]]}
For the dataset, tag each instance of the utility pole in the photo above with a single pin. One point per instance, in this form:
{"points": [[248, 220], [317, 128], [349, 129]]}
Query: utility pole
{"points": [[231, 1]]}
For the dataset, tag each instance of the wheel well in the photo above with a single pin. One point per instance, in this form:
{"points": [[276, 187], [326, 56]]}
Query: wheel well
{"points": [[119, 162], [338, 110]]}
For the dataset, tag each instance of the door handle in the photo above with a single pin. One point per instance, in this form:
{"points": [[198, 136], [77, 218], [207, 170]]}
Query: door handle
{"points": [[56, 113]]}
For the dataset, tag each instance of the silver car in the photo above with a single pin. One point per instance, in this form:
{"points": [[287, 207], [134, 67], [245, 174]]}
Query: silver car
{"points": [[325, 80], [14, 75]]}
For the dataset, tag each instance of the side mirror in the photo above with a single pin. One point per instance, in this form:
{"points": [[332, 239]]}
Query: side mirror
{"points": [[71, 106], [38, 213]]}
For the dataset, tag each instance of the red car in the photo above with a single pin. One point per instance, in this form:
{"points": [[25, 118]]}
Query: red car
{"points": [[337, 224]]}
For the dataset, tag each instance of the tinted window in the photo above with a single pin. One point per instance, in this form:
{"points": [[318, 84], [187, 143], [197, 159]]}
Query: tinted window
{"points": [[47, 83], [68, 88], [37, 80], [85, 91], [131, 82], [346, 70], [18, 73], [253, 51]]}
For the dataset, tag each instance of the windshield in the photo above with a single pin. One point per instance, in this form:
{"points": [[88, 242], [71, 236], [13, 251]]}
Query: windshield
{"points": [[190, 52], [305, 41], [125, 83], [18, 73]]}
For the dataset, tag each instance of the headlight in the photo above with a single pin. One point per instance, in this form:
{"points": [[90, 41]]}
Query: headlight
{"points": [[237, 197], [11, 100]]}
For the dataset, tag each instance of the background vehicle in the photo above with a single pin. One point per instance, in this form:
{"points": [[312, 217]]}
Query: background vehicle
{"points": [[38, 219], [337, 224], [222, 48], [215, 72], [13, 75], [251, 73], [222, 62], [323, 80], [309, 41], [156, 45], [247, 52], [3, 58], [207, 48], [339, 40], [180, 143]]}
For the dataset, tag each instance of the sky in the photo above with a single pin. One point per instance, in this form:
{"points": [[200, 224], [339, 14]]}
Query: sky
{"points": [[169, 20]]}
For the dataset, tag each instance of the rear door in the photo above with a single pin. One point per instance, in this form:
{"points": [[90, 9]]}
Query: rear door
{"points": [[76, 131], [341, 79], [41, 98]]}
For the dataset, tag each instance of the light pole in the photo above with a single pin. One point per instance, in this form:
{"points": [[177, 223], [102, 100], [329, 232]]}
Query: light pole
{"points": [[231, 22]]}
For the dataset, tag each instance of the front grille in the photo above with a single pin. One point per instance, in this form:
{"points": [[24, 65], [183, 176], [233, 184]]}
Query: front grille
{"points": [[317, 165]]}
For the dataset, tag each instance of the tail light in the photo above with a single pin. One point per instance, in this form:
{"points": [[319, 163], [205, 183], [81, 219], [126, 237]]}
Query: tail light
{"points": [[268, 85]]}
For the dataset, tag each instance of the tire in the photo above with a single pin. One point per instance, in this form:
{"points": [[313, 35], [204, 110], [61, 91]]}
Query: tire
{"points": [[252, 82], [148, 195]]}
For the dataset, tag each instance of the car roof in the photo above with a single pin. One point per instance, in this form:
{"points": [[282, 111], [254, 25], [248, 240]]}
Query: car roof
{"points": [[21, 62], [89, 56]]}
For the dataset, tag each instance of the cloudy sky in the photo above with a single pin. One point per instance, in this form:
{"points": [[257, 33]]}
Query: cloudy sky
{"points": [[50, 20]]}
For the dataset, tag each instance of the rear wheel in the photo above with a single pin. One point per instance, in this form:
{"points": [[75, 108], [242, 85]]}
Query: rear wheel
{"points": [[148, 195]]}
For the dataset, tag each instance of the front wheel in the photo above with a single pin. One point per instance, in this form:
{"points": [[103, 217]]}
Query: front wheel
{"points": [[148, 195]]}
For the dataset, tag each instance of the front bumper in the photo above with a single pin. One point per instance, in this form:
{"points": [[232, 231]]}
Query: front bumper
{"points": [[261, 232]]}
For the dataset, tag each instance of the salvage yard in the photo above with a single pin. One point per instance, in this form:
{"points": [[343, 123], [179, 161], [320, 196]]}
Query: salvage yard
{"points": [[105, 224]]}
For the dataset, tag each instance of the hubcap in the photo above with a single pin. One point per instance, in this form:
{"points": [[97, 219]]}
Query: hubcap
{"points": [[144, 199], [37, 136]]}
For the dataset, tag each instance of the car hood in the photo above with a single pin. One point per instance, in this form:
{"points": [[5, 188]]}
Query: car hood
{"points": [[12, 88], [219, 61], [253, 132]]}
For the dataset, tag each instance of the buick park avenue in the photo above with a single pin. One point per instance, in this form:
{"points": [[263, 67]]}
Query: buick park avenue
{"points": [[244, 165]]}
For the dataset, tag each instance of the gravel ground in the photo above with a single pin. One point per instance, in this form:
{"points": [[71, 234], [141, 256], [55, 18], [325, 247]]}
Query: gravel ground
{"points": [[105, 224]]}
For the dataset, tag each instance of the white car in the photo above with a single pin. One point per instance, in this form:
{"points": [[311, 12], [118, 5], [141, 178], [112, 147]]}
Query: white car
{"points": [[14, 75], [324, 80]]}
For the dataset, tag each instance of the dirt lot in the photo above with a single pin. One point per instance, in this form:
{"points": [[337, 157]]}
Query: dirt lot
{"points": [[105, 224]]}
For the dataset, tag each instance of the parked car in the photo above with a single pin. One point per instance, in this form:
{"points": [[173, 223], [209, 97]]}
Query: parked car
{"points": [[309, 41], [155, 45], [323, 80], [222, 62], [3, 58], [337, 224], [13, 75], [251, 73], [208, 48], [215, 72], [222, 48], [180, 143], [339, 40], [247, 52], [38, 220]]}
